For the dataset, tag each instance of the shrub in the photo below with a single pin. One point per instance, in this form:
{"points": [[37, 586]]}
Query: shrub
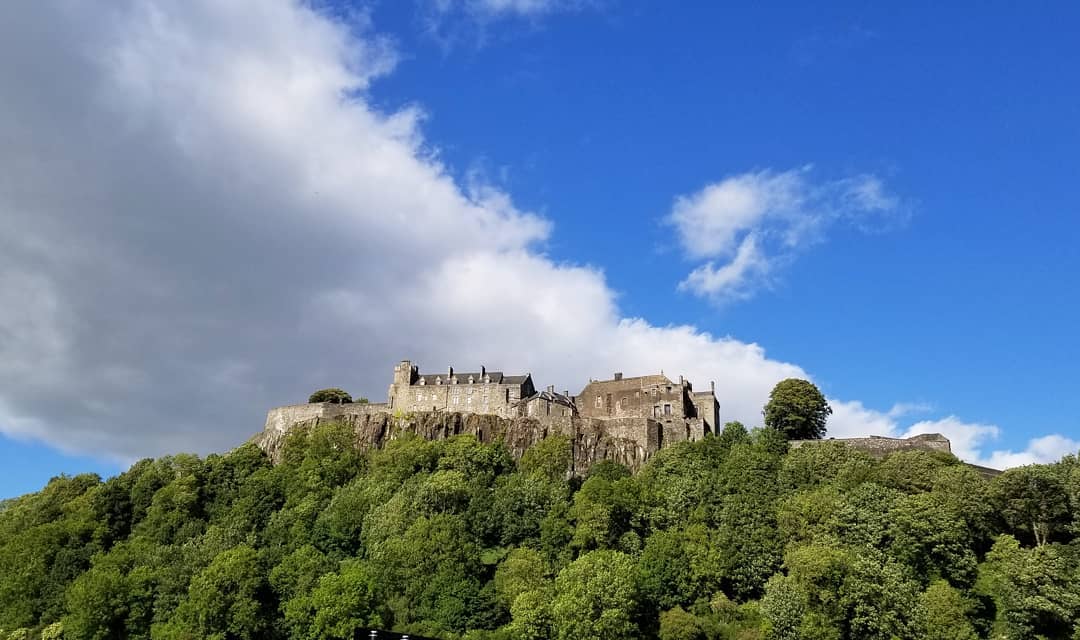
{"points": [[333, 394]]}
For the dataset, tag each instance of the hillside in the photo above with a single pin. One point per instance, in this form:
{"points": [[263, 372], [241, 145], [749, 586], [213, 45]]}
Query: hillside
{"points": [[732, 536]]}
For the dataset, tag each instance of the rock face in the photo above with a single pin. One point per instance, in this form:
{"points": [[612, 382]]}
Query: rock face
{"points": [[592, 440]]}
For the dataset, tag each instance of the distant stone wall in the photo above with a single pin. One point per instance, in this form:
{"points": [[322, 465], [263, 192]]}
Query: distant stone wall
{"points": [[281, 419], [881, 446]]}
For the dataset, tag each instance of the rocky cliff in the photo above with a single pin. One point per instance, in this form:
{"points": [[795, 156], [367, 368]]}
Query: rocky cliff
{"points": [[591, 439]]}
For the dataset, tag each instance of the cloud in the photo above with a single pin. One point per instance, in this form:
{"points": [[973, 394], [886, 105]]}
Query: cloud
{"points": [[495, 9], [754, 223], [970, 441], [450, 23], [204, 216]]}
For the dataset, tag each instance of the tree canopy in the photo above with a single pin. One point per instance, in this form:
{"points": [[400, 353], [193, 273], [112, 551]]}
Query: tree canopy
{"points": [[731, 537], [333, 394], [797, 409]]}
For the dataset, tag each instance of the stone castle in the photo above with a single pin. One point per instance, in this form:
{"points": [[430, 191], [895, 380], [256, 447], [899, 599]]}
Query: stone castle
{"points": [[624, 419]]}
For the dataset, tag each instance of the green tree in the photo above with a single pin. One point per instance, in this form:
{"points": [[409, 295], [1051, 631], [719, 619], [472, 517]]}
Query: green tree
{"points": [[523, 570], [1035, 590], [947, 613], [531, 616], [677, 624], [227, 600], [797, 409], [345, 603], [332, 394], [1033, 501], [595, 598]]}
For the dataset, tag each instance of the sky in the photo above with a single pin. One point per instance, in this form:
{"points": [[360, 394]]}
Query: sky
{"points": [[209, 209]]}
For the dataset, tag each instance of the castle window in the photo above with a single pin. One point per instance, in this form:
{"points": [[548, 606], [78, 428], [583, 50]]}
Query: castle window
{"points": [[599, 401], [667, 409], [656, 411]]}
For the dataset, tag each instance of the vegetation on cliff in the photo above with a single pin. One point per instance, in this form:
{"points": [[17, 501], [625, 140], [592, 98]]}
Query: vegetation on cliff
{"points": [[730, 537]]}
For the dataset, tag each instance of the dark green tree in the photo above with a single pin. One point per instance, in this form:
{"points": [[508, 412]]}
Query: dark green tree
{"points": [[332, 394], [797, 409]]}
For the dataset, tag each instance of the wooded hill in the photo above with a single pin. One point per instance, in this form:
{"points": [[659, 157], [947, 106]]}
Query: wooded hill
{"points": [[729, 537]]}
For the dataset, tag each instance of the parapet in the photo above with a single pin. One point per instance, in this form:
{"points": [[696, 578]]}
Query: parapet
{"points": [[881, 446]]}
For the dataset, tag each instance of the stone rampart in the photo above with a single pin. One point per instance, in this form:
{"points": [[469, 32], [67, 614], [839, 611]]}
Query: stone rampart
{"points": [[881, 446]]}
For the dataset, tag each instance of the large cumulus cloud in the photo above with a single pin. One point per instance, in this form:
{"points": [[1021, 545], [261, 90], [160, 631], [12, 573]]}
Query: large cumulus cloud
{"points": [[204, 216]]}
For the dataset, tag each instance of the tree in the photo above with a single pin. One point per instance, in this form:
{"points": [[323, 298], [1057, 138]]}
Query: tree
{"points": [[226, 600], [947, 613], [1033, 500], [333, 394], [595, 598], [677, 624], [797, 409]]}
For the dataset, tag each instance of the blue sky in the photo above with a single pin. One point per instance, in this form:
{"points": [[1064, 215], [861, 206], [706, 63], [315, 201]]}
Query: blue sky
{"points": [[909, 240]]}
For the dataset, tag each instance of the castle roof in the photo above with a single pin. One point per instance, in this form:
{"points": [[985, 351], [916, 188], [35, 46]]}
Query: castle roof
{"points": [[497, 377], [635, 381]]}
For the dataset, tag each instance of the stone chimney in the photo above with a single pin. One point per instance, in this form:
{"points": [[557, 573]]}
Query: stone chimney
{"points": [[449, 372], [712, 386], [566, 392], [483, 371], [680, 380], [551, 388], [618, 375]]}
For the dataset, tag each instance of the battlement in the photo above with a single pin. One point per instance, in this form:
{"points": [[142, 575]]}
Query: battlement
{"points": [[881, 446]]}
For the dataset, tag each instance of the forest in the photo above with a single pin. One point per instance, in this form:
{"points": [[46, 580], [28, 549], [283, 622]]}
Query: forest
{"points": [[734, 536]]}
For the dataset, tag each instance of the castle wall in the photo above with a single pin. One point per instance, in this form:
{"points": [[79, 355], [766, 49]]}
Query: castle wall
{"points": [[640, 397], [281, 419], [881, 446], [708, 409]]}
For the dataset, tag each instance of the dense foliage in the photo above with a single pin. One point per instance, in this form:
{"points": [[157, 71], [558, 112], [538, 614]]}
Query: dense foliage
{"points": [[729, 537], [333, 394], [797, 409]]}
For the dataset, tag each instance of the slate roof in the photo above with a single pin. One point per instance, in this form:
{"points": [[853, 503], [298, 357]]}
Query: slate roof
{"points": [[551, 396], [497, 377]]}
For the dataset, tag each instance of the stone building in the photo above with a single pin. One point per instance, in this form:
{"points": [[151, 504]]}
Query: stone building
{"points": [[682, 413], [487, 392]]}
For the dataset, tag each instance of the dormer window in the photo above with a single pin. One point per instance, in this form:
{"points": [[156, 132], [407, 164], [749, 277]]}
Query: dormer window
{"points": [[422, 382], [438, 380], [470, 380], [453, 380]]}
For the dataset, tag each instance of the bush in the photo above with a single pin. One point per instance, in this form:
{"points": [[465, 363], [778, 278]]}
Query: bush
{"points": [[333, 394]]}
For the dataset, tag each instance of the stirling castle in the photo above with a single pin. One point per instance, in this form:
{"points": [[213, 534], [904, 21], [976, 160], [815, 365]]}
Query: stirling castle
{"points": [[624, 419]]}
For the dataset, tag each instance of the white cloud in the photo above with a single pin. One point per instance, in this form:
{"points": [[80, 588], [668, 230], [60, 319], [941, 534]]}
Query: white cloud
{"points": [[970, 441], [1040, 450], [756, 222], [204, 217], [491, 9], [735, 279]]}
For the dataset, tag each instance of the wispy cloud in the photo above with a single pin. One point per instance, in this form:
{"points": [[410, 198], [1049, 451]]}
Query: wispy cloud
{"points": [[472, 22], [750, 225]]}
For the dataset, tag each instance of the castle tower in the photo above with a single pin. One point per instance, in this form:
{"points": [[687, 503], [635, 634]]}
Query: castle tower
{"points": [[404, 375]]}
